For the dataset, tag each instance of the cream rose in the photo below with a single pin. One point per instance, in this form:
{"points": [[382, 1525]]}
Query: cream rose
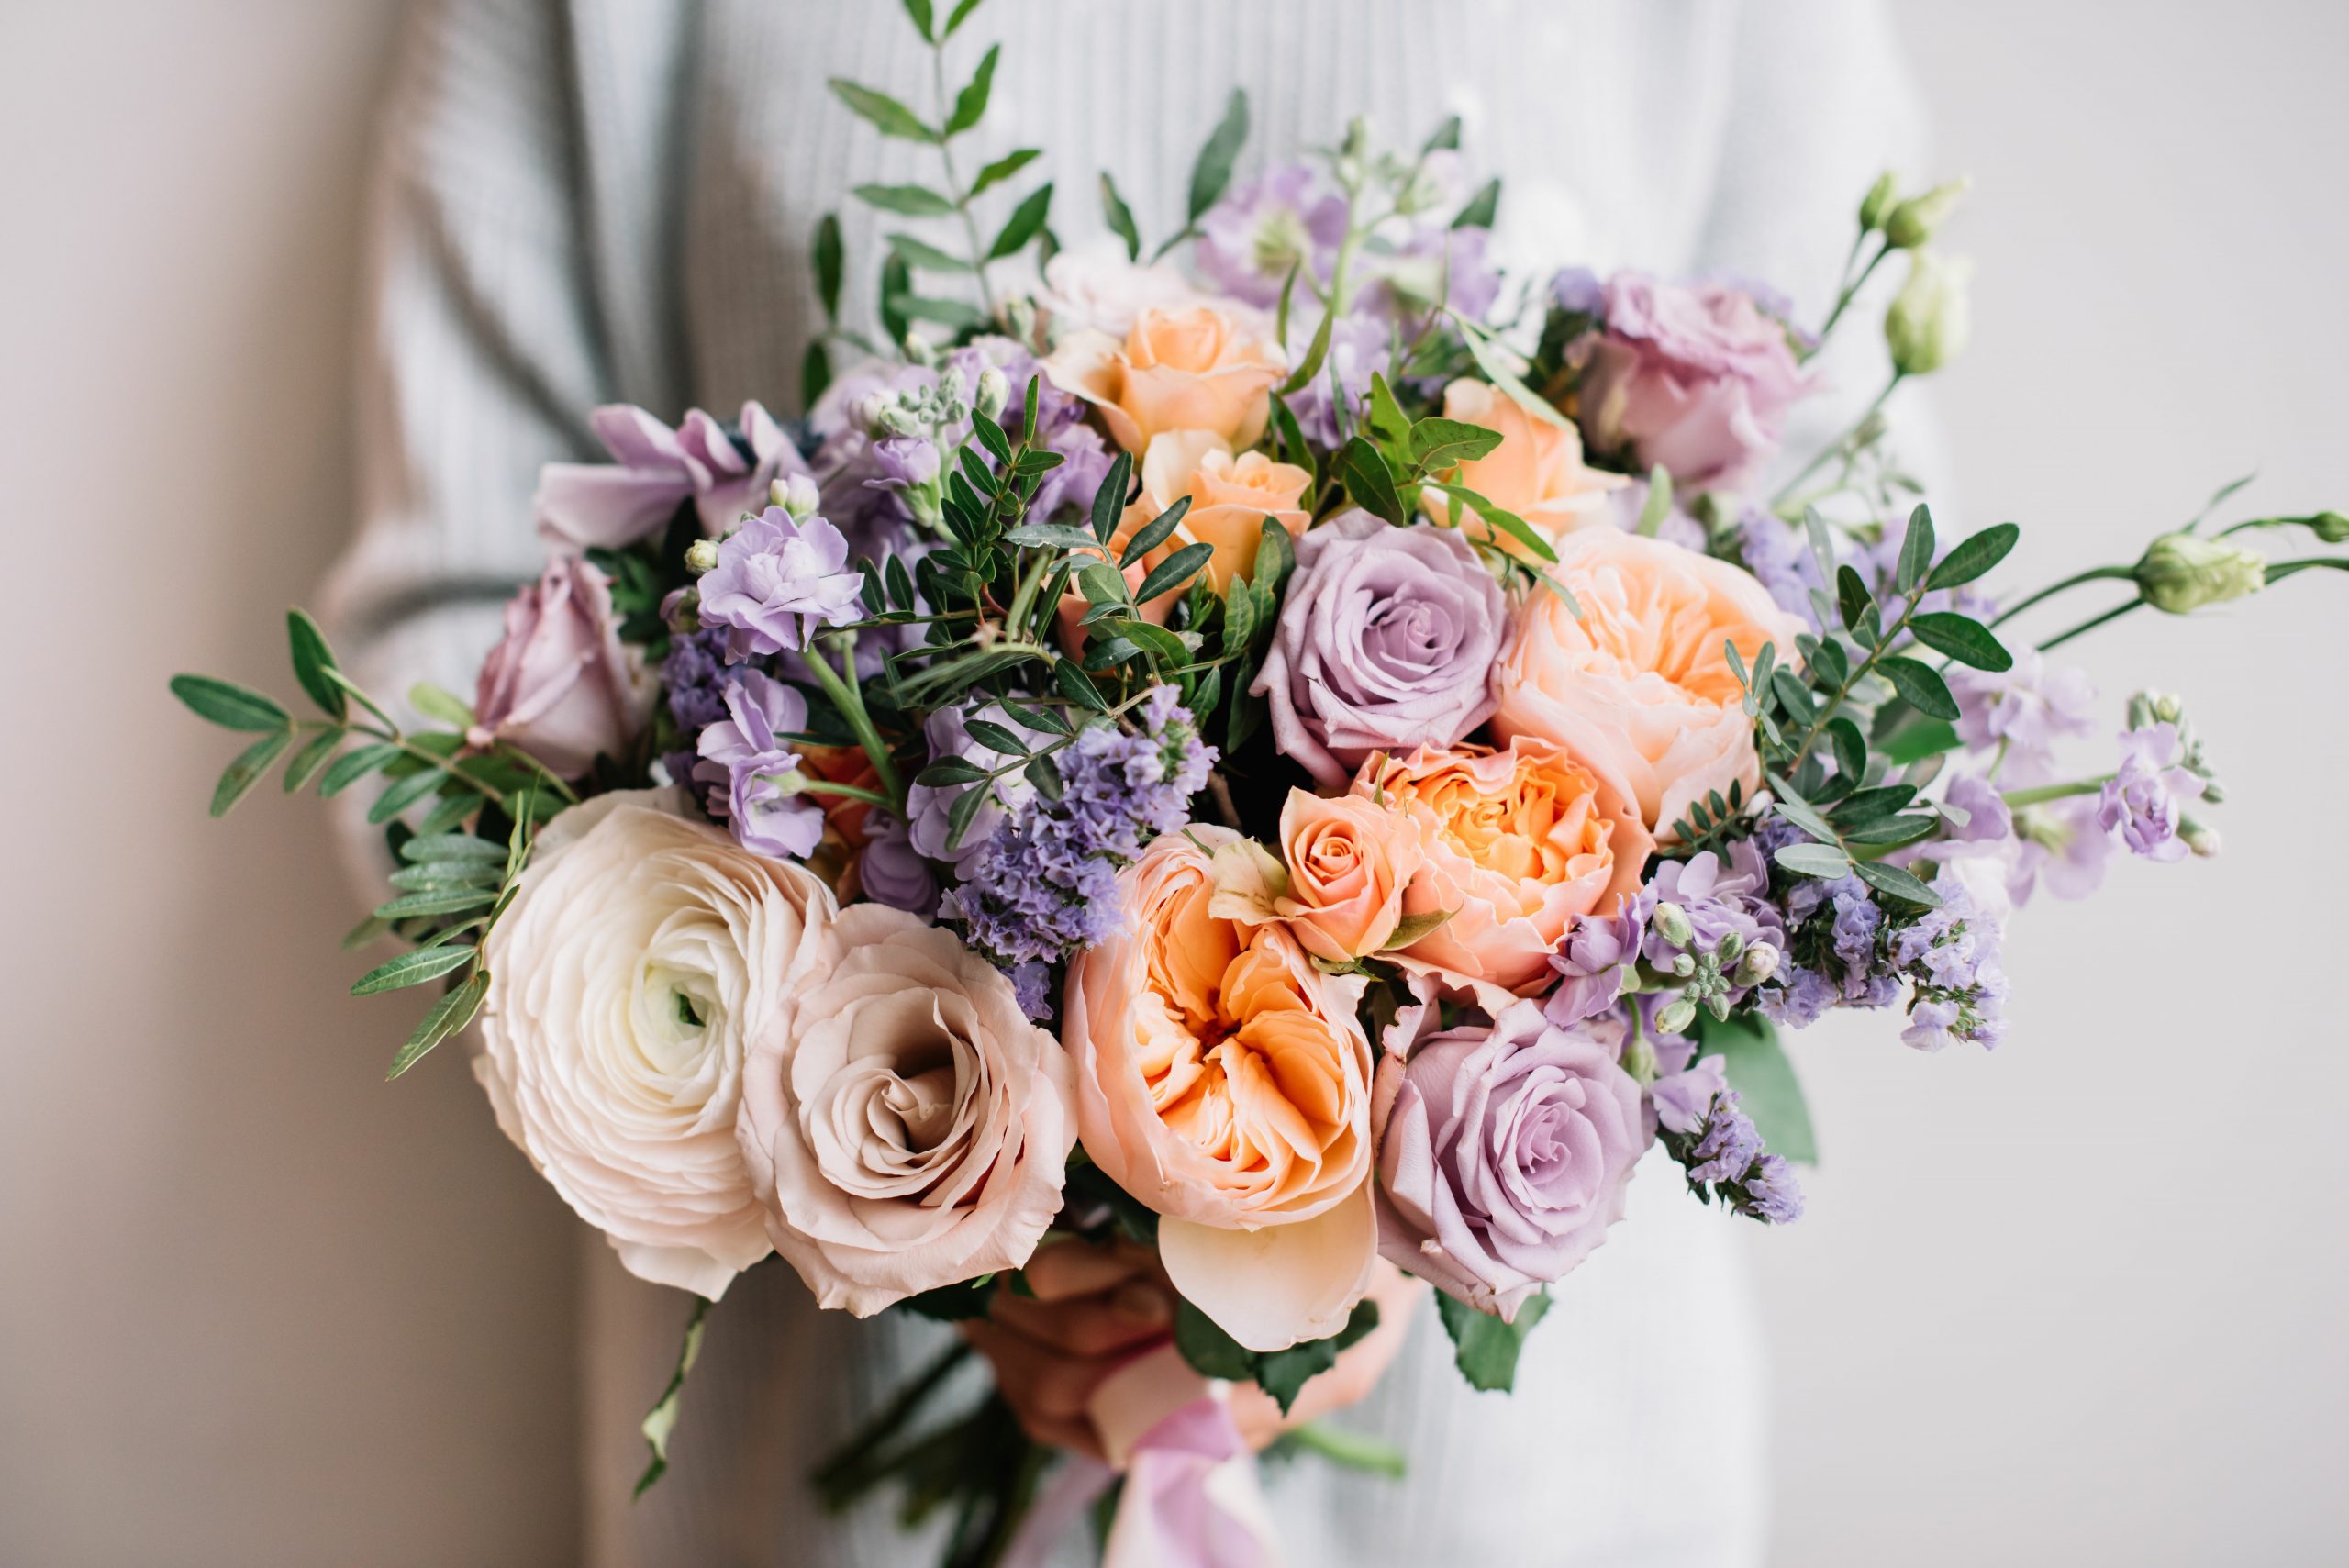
{"points": [[1632, 678], [641, 954], [1197, 368], [1537, 472], [1223, 1080], [905, 1125]]}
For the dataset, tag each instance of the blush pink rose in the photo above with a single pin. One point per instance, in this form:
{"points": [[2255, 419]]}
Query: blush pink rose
{"points": [[1637, 685], [904, 1125], [1694, 376], [1224, 1080], [1195, 368], [1519, 843], [560, 685]]}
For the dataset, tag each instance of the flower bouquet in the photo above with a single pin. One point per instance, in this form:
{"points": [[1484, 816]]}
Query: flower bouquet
{"points": [[1323, 755]]}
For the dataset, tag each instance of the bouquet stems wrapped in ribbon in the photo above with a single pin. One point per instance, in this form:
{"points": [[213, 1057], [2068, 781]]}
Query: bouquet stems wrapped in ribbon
{"points": [[1285, 751]]}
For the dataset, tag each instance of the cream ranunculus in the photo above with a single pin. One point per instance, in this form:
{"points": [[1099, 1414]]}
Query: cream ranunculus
{"points": [[1223, 1080], [641, 955], [905, 1127], [1631, 676], [1197, 368]]}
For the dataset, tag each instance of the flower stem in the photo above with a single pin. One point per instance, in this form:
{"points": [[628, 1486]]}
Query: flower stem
{"points": [[1850, 291], [1831, 448], [2056, 790], [848, 698], [2091, 625], [2093, 574], [819, 787]]}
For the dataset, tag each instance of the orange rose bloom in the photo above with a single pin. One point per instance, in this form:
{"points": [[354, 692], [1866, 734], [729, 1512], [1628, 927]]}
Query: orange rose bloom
{"points": [[1537, 471], [1196, 369], [1350, 861], [1522, 841], [1223, 1081], [1638, 683]]}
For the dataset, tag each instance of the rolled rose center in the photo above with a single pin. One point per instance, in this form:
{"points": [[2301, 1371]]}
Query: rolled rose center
{"points": [[903, 1116]]}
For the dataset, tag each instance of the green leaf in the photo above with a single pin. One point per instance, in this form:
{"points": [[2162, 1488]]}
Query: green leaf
{"points": [[453, 901], [1482, 207], [1026, 219], [416, 968], [661, 1422], [404, 793], [960, 816], [896, 282], [450, 1014], [886, 115], [948, 771], [312, 660], [1155, 532], [435, 874], [1211, 1351], [954, 20], [1437, 444], [1915, 743], [247, 770], [1077, 686], [995, 738], [1898, 884], [228, 705], [1658, 504], [1799, 812], [1757, 1068], [1174, 570], [1314, 353], [1049, 536], [951, 313], [1110, 501], [1814, 860], [1919, 686], [1491, 359], [1120, 217], [1411, 928], [1212, 172], [452, 847], [1892, 831], [1851, 597], [921, 255], [1446, 137], [1973, 556], [1963, 639], [1003, 168], [827, 254], [1276, 558], [1484, 1348], [1283, 1374], [919, 11], [366, 931], [971, 102], [1368, 481], [311, 758], [441, 705], [908, 201], [815, 373], [1916, 549]]}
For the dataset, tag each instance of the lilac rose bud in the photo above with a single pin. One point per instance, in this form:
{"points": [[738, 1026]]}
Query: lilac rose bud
{"points": [[1386, 642], [752, 773], [1694, 376], [1503, 1154], [777, 581], [558, 685]]}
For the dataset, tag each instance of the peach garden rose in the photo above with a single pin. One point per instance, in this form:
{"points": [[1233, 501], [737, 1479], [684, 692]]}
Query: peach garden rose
{"points": [[1195, 368], [1223, 1080], [1637, 683], [1537, 472], [1520, 843]]}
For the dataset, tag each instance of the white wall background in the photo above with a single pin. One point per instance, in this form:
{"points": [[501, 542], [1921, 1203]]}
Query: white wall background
{"points": [[2082, 1301]]}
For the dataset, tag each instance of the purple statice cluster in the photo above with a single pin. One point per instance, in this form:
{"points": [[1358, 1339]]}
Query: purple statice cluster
{"points": [[1723, 1152], [1958, 989], [698, 677], [1705, 928], [1044, 885], [1780, 559]]}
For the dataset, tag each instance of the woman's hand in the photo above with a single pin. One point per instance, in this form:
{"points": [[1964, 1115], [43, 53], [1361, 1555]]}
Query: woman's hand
{"points": [[1094, 1307], [1091, 1309]]}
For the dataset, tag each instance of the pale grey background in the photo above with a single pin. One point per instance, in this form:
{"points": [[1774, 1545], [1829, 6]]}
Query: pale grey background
{"points": [[2079, 1301]]}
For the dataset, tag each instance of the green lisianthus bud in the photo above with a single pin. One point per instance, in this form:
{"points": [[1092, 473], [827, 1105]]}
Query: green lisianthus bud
{"points": [[2200, 837], [1676, 1017], [1929, 322], [1915, 221], [1672, 922], [995, 390], [2329, 527], [2181, 571], [1877, 202]]}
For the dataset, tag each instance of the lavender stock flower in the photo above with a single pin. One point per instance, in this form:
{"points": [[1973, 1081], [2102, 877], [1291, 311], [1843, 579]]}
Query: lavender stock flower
{"points": [[1287, 218], [1727, 1155], [697, 678], [2143, 802], [777, 581], [746, 762], [2025, 710]]}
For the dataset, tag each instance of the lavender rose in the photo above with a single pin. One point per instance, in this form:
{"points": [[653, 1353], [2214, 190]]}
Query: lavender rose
{"points": [[1386, 642], [1694, 376], [1503, 1154], [558, 685]]}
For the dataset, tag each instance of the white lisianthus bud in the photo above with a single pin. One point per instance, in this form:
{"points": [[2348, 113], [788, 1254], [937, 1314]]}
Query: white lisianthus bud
{"points": [[2180, 572], [1929, 322], [1915, 221], [2199, 837], [995, 390], [1760, 962], [1672, 921], [701, 556], [796, 496], [1877, 202]]}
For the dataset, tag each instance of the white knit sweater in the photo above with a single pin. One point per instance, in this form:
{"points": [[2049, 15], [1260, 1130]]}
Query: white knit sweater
{"points": [[610, 200]]}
